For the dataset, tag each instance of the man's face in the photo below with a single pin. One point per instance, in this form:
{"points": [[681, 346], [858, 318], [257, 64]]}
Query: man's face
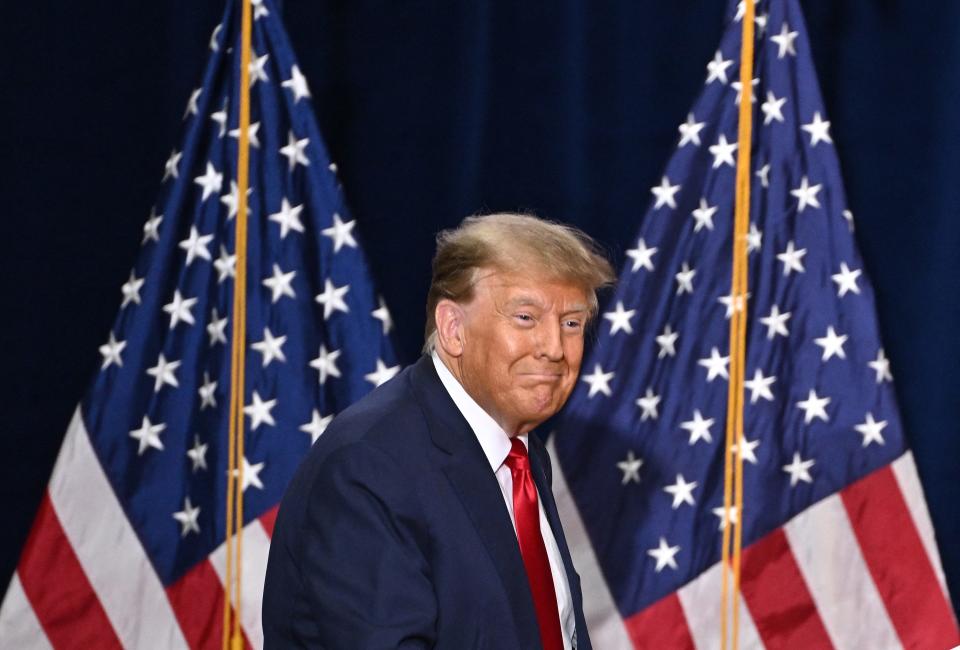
{"points": [[522, 346]]}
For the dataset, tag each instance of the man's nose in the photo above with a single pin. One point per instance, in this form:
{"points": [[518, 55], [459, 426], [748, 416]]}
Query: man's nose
{"points": [[550, 344]]}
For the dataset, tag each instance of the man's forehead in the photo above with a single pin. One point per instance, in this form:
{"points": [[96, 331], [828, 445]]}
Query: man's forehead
{"points": [[531, 288]]}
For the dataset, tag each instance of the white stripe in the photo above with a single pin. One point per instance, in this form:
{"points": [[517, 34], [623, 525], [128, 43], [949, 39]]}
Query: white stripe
{"points": [[700, 600], [906, 472], [256, 548], [603, 619], [19, 627], [108, 548], [825, 547]]}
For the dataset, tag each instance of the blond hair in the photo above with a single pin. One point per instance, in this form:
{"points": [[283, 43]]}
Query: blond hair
{"points": [[511, 242]]}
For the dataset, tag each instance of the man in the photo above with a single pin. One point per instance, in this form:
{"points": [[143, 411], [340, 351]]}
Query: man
{"points": [[423, 517]]}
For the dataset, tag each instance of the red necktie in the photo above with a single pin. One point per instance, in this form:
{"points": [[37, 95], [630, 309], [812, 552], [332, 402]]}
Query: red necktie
{"points": [[527, 515]]}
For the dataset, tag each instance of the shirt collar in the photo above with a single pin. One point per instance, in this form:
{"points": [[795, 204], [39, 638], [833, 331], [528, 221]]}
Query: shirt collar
{"points": [[492, 438]]}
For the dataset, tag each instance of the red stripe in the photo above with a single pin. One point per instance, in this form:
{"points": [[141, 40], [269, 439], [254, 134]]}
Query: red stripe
{"points": [[269, 520], [58, 590], [661, 625], [898, 562], [197, 600], [778, 598]]}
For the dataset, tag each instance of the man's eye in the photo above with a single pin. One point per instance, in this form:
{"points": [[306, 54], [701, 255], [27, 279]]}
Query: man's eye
{"points": [[572, 324], [524, 317]]}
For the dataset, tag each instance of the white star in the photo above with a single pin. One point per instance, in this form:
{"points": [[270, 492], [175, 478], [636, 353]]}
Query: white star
{"points": [[690, 131], [232, 200], [666, 341], [832, 344], [849, 218], [163, 373], [799, 470], [754, 238], [148, 435], [220, 117], [170, 167], [881, 365], [764, 175], [641, 256], [776, 322], [732, 303], [772, 108], [704, 215], [665, 193], [226, 265], [257, 73], [784, 41], [332, 298], [213, 37], [288, 218], [814, 407], [630, 466], [298, 84], [717, 69], [251, 134], [736, 85], [382, 374], [716, 365], [806, 194], [382, 314], [259, 9], [151, 229], [747, 449], [316, 426], [340, 233], [208, 392], [179, 309], [196, 245], [699, 427], [665, 555], [188, 518], [684, 279], [131, 290], [192, 108], [259, 411], [731, 516], [620, 319], [761, 21], [111, 352], [759, 386], [599, 381], [326, 364], [649, 403], [197, 454], [681, 491], [792, 258], [723, 152], [279, 284], [271, 347], [211, 181], [295, 151], [818, 129], [216, 328], [871, 430], [846, 280], [251, 474]]}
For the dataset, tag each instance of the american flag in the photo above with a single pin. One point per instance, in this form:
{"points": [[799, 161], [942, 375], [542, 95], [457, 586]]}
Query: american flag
{"points": [[127, 549], [838, 546]]}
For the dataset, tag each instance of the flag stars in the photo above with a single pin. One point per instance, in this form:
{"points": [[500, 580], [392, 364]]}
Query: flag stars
{"points": [[746, 448], [630, 466], [754, 238], [806, 195], [717, 68], [259, 411], [382, 373], [792, 258], [832, 344], [785, 41], [192, 108], [288, 217], [642, 256], [871, 430], [295, 151], [776, 323], [814, 407], [819, 130], [730, 514], [220, 117], [250, 474], [690, 131], [164, 373], [188, 518], [148, 435], [759, 386], [799, 470], [208, 392], [667, 342], [131, 290], [326, 364], [256, 68], [665, 555], [648, 403], [848, 217], [151, 229], [736, 85], [197, 455], [599, 381], [681, 491], [733, 303], [196, 245], [764, 175], [684, 278], [716, 365], [699, 428], [772, 108], [297, 83], [332, 298], [226, 265], [317, 425], [382, 314], [211, 181], [280, 284], [340, 233], [111, 352], [620, 319], [179, 309], [251, 134], [665, 193], [881, 365], [703, 215], [216, 328], [271, 347], [723, 152], [170, 168], [846, 280], [259, 9], [232, 200]]}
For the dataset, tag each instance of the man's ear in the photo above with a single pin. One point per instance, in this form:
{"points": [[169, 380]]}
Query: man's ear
{"points": [[449, 317]]}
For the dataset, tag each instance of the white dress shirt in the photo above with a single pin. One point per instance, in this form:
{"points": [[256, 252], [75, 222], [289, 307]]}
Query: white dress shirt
{"points": [[496, 446]]}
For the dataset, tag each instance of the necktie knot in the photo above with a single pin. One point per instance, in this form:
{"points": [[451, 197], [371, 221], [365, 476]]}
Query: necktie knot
{"points": [[518, 459]]}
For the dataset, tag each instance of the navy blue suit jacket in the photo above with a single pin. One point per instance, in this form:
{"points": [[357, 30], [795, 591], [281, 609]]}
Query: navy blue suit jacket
{"points": [[394, 534]]}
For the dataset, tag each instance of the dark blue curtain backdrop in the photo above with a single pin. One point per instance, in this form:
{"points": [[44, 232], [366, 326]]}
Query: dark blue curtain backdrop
{"points": [[435, 110]]}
